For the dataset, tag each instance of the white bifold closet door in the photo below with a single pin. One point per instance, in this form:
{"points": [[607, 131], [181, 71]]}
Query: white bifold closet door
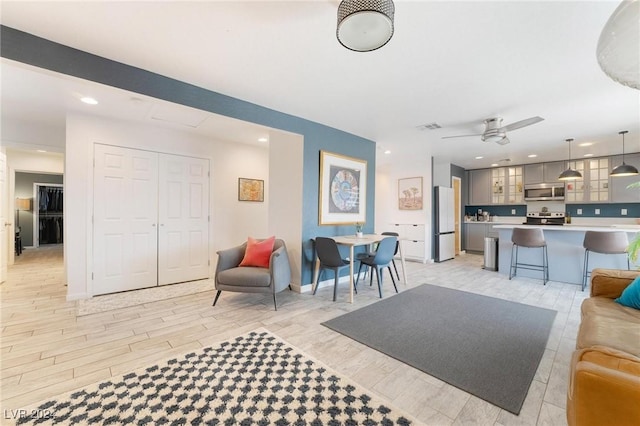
{"points": [[151, 223], [183, 245], [125, 219]]}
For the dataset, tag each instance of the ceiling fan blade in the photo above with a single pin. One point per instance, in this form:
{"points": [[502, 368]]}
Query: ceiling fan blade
{"points": [[521, 123], [460, 136], [503, 141]]}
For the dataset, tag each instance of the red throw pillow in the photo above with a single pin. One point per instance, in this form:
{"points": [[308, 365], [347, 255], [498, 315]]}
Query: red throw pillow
{"points": [[258, 252]]}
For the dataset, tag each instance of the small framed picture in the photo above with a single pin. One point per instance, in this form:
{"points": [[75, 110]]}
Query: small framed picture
{"points": [[250, 190], [410, 193]]}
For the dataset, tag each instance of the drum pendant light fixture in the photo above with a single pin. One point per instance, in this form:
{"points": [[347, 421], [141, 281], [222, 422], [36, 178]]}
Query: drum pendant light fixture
{"points": [[365, 25], [570, 174], [624, 169], [618, 50]]}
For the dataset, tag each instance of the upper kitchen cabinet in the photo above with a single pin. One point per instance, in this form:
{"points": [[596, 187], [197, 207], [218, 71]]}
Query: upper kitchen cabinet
{"points": [[619, 191], [507, 185], [543, 172], [480, 187], [594, 185], [498, 185], [515, 192]]}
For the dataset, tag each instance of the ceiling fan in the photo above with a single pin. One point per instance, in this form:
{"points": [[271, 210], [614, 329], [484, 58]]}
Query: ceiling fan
{"points": [[495, 132]]}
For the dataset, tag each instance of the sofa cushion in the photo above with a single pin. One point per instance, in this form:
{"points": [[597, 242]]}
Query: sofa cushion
{"points": [[245, 276], [630, 297], [607, 323]]}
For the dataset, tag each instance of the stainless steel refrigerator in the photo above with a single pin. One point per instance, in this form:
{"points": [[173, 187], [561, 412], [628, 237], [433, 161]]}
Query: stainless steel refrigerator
{"points": [[445, 224]]}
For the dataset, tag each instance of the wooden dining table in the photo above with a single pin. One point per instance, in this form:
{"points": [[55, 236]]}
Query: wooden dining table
{"points": [[352, 242]]}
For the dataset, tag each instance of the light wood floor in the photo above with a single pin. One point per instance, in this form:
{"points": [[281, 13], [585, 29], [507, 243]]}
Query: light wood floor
{"points": [[47, 349]]}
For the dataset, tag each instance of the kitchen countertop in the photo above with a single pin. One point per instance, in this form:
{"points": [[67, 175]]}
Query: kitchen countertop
{"points": [[572, 227], [498, 222]]}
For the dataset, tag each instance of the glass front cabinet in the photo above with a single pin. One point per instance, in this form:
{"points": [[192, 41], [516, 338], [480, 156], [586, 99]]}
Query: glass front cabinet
{"points": [[507, 185], [594, 185]]}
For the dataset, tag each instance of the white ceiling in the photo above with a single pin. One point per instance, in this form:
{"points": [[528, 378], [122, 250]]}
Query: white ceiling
{"points": [[453, 63]]}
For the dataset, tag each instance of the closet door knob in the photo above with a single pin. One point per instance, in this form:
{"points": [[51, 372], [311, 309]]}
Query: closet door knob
{"points": [[153, 224], [7, 224]]}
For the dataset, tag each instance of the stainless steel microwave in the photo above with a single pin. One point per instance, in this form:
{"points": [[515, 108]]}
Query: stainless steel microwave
{"points": [[544, 192]]}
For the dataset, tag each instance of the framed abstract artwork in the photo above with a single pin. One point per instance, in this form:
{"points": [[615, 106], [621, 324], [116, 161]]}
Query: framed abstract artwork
{"points": [[410, 195], [343, 189], [250, 190]]}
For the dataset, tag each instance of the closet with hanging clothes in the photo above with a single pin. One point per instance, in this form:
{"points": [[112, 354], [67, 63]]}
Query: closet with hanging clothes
{"points": [[50, 207]]}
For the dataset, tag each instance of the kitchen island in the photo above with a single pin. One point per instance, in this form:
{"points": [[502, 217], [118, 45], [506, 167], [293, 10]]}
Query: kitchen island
{"points": [[564, 246]]}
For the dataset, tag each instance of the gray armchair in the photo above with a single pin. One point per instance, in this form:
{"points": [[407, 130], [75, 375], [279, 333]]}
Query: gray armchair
{"points": [[250, 279]]}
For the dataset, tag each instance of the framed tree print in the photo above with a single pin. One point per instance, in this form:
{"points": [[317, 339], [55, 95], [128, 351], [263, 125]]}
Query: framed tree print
{"points": [[410, 193], [343, 189]]}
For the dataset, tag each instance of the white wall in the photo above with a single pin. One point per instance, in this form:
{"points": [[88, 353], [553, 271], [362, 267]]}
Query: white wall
{"points": [[32, 135], [286, 177], [232, 220], [387, 211]]}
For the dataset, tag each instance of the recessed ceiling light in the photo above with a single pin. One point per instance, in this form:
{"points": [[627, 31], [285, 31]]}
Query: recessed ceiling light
{"points": [[89, 101], [387, 152], [588, 155], [479, 157], [494, 165], [585, 144], [263, 140], [532, 155], [40, 150]]}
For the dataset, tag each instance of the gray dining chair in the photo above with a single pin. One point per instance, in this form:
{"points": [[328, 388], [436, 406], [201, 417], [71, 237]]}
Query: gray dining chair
{"points": [[380, 260], [330, 258]]}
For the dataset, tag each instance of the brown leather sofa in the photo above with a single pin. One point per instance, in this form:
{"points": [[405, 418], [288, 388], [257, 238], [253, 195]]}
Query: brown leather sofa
{"points": [[604, 381]]}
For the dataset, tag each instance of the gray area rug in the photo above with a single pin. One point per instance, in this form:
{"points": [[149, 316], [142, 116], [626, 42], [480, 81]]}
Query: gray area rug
{"points": [[488, 347], [254, 379]]}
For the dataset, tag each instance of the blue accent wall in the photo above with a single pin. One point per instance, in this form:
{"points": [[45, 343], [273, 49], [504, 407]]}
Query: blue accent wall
{"points": [[29, 49]]}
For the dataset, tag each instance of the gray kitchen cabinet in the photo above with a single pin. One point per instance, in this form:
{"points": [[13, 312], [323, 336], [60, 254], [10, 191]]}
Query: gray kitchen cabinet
{"points": [[480, 187], [467, 184], [543, 172], [618, 184], [552, 170], [533, 173], [475, 233]]}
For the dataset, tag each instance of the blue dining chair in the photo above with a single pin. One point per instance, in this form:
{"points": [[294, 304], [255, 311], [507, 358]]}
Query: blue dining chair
{"points": [[380, 260], [366, 254]]}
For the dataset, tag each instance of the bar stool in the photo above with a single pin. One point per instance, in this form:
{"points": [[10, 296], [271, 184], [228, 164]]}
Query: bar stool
{"points": [[604, 243], [530, 238]]}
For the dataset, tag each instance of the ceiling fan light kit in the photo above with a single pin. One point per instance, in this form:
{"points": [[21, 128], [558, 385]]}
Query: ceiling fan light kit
{"points": [[570, 174], [365, 25], [624, 169], [494, 131], [618, 50]]}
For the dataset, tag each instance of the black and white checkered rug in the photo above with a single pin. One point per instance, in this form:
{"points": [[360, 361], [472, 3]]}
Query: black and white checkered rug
{"points": [[256, 378]]}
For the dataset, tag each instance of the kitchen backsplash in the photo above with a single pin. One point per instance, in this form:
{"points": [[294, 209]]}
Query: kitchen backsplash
{"points": [[496, 210], [588, 210], [606, 210]]}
